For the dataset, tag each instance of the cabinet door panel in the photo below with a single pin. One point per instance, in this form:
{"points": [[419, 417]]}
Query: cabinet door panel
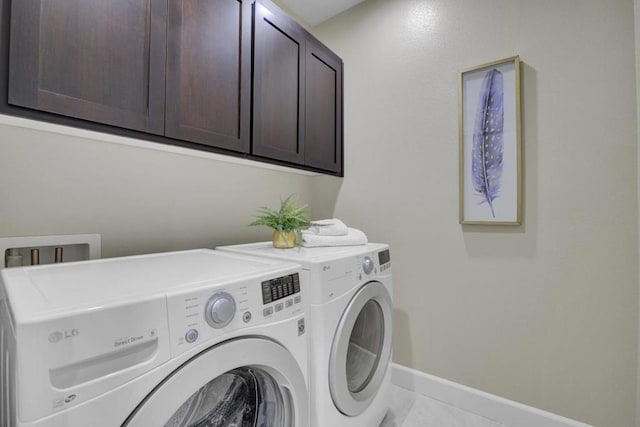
{"points": [[323, 111], [91, 59], [278, 87], [208, 72]]}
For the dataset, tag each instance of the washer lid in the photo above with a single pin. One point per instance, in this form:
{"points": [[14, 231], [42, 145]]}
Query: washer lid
{"points": [[35, 292], [245, 382]]}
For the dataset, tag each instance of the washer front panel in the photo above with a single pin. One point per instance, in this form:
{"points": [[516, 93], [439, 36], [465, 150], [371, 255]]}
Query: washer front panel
{"points": [[234, 398], [275, 369]]}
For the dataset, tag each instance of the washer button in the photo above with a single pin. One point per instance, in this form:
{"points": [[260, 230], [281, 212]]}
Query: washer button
{"points": [[297, 299], [246, 316], [288, 303], [191, 336], [279, 307], [267, 311]]}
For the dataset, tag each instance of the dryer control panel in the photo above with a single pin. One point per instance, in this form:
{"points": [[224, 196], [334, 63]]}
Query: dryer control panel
{"points": [[341, 275], [384, 259], [214, 311]]}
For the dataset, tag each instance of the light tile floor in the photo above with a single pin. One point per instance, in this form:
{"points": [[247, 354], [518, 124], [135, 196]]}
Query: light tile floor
{"points": [[409, 409]]}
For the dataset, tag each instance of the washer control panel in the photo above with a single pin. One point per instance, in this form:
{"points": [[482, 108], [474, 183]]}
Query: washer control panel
{"points": [[213, 310], [279, 288], [280, 294]]}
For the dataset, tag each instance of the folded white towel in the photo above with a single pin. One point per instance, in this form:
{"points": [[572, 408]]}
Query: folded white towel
{"points": [[329, 227], [353, 237]]}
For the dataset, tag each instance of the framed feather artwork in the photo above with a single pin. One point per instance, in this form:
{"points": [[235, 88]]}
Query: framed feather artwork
{"points": [[490, 144]]}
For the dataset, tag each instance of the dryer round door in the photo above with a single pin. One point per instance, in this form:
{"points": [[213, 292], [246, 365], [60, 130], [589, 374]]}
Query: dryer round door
{"points": [[361, 349], [248, 382]]}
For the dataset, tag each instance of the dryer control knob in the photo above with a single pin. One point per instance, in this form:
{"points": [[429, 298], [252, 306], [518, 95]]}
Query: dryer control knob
{"points": [[220, 310], [367, 265]]}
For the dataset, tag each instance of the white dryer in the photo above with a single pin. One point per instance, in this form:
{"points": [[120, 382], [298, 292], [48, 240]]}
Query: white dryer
{"points": [[179, 339], [349, 309]]}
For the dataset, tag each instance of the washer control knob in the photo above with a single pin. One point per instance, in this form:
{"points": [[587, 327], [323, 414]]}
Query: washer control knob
{"points": [[367, 265], [220, 310]]}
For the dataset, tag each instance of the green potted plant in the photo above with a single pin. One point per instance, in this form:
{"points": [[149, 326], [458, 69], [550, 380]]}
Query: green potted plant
{"points": [[287, 222]]}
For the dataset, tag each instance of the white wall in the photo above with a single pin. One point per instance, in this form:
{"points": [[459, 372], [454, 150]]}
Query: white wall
{"points": [[139, 199], [544, 313]]}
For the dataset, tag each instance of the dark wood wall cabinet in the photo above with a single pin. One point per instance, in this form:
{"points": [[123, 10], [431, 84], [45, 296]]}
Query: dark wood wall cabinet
{"points": [[209, 73], [92, 59], [297, 104], [230, 76]]}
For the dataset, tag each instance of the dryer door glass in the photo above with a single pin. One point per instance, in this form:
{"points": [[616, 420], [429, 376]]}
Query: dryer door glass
{"points": [[243, 397], [365, 345], [361, 349]]}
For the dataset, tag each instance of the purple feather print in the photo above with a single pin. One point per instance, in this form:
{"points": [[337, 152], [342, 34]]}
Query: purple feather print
{"points": [[486, 165]]}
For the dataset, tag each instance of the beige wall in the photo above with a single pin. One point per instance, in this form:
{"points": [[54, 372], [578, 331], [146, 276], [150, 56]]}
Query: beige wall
{"points": [[545, 313], [636, 9], [139, 199]]}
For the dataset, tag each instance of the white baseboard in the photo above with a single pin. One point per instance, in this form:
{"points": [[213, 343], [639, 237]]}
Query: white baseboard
{"points": [[478, 402]]}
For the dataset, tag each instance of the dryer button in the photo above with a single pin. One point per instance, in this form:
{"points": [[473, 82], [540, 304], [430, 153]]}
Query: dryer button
{"points": [[246, 316], [279, 307], [267, 311], [288, 303]]}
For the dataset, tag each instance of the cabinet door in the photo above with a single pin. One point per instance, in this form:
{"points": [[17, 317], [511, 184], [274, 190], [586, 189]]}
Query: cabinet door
{"points": [[278, 93], [209, 72], [323, 108], [96, 60]]}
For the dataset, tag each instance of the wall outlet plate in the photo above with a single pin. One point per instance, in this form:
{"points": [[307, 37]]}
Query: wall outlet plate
{"points": [[75, 247]]}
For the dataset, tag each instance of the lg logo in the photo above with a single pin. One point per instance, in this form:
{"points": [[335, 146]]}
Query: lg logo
{"points": [[55, 336], [58, 336]]}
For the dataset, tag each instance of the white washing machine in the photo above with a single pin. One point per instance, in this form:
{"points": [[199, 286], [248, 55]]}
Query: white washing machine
{"points": [[349, 309], [182, 339]]}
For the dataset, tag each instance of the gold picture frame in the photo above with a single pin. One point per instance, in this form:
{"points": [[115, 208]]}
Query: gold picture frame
{"points": [[490, 143]]}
